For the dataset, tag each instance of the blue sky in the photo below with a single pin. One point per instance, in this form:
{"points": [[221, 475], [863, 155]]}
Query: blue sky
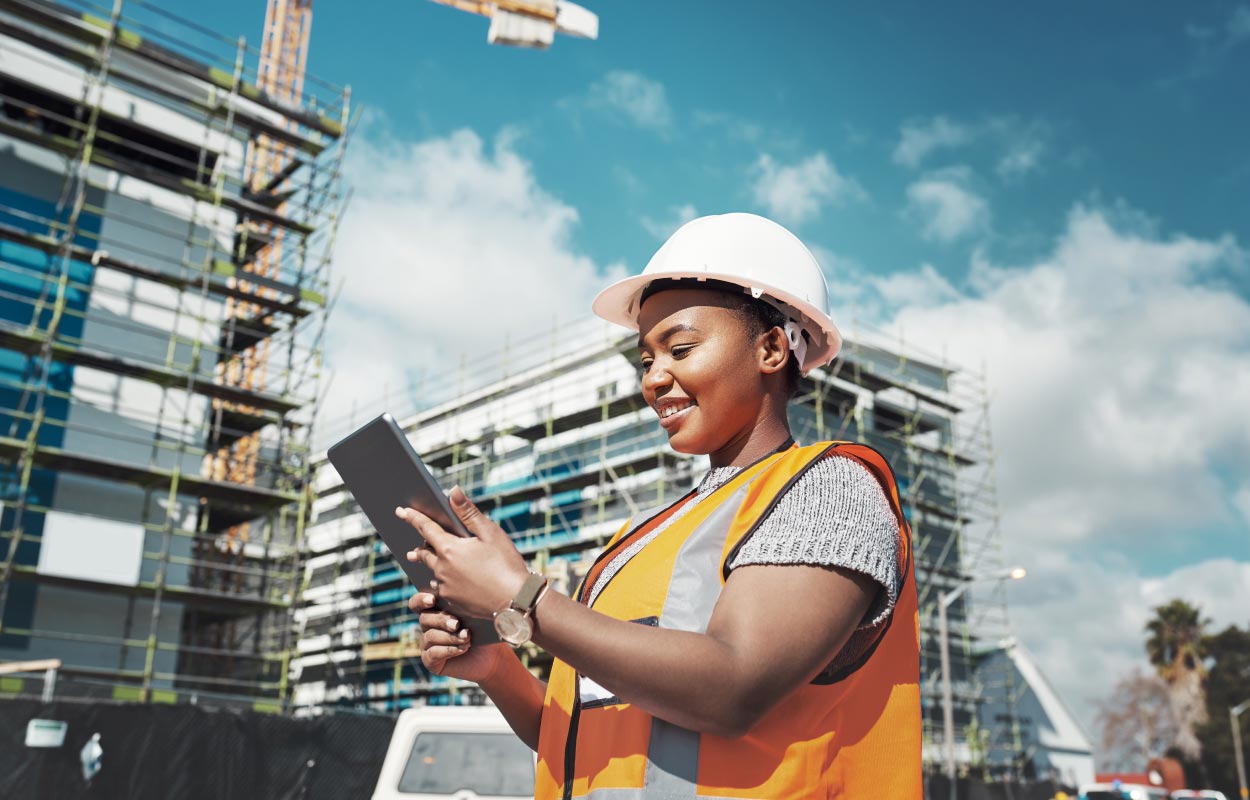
{"points": [[1058, 191], [1127, 99]]}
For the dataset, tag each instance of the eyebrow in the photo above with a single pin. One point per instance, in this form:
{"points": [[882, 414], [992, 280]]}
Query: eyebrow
{"points": [[668, 333]]}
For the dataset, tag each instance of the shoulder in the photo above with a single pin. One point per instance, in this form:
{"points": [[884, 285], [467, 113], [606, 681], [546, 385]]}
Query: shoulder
{"points": [[835, 513], [841, 468]]}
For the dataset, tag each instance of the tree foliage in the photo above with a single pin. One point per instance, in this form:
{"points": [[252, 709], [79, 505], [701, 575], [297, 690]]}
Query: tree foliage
{"points": [[1176, 638], [1228, 684], [1182, 708], [1136, 722], [1176, 647]]}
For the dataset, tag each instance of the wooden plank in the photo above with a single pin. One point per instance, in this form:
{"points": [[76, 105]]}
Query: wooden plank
{"points": [[30, 666]]}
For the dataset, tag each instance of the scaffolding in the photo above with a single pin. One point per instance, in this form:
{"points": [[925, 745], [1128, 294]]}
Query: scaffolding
{"points": [[167, 218], [552, 437]]}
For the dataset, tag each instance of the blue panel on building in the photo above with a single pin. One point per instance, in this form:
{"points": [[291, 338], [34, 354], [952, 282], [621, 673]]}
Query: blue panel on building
{"points": [[29, 283]]}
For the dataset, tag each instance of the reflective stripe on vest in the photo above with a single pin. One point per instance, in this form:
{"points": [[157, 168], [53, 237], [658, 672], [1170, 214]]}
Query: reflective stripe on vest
{"points": [[808, 746]]}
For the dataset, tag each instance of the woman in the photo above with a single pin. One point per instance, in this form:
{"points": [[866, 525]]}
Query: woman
{"points": [[758, 637]]}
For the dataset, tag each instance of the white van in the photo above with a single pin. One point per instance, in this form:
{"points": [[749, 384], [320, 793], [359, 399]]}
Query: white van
{"points": [[1122, 791], [455, 753]]}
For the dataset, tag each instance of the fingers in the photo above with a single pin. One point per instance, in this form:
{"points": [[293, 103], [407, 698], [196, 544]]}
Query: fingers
{"points": [[436, 657], [421, 601], [422, 555], [442, 637], [430, 530], [433, 637], [478, 523], [434, 619]]}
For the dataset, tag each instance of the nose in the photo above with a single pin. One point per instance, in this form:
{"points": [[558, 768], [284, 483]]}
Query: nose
{"points": [[656, 378]]}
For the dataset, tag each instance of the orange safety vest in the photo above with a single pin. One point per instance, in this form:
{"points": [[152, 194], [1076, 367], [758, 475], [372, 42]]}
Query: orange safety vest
{"points": [[856, 734]]}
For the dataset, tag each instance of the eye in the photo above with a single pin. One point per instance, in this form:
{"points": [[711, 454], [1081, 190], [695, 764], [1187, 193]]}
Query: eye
{"points": [[681, 351], [645, 364]]}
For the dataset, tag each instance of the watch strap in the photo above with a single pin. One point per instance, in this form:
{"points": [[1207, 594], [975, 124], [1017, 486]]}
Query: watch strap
{"points": [[527, 596]]}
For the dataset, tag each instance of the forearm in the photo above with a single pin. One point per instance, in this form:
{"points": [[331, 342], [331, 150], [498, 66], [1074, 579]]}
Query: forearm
{"points": [[518, 695], [688, 679]]}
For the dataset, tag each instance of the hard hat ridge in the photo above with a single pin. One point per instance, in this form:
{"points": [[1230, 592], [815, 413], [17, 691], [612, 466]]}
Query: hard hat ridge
{"points": [[746, 251]]}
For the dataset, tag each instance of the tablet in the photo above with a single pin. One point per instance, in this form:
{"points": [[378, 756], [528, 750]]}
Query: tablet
{"points": [[381, 469]]}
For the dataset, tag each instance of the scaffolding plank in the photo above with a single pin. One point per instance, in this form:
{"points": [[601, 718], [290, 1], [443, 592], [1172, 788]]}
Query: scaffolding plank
{"points": [[640, 461], [253, 500], [237, 604], [90, 57], [866, 375], [235, 424], [579, 419], [69, 147], [30, 343], [239, 333], [214, 281], [94, 30]]}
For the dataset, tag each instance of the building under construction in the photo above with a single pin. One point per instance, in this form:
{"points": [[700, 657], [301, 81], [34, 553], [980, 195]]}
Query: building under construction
{"points": [[554, 439], [168, 201]]}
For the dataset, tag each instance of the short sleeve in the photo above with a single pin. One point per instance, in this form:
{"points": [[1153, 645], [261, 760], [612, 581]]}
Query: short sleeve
{"points": [[836, 514]]}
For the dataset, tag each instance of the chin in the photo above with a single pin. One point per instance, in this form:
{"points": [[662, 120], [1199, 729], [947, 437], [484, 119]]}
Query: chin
{"points": [[690, 445]]}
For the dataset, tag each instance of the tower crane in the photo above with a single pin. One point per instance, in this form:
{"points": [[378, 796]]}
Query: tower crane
{"points": [[270, 162], [530, 23]]}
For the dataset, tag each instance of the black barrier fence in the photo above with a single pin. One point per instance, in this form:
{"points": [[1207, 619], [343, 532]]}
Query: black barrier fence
{"points": [[185, 751], [192, 752]]}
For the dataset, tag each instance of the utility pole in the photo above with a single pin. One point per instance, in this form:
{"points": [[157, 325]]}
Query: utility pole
{"points": [[1238, 754]]}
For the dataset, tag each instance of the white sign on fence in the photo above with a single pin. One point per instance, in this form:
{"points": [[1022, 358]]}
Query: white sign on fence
{"points": [[45, 733]]}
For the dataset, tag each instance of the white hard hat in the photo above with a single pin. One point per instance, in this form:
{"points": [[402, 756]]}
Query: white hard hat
{"points": [[746, 250]]}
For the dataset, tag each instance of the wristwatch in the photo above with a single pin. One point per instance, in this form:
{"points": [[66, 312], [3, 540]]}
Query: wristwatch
{"points": [[513, 623]]}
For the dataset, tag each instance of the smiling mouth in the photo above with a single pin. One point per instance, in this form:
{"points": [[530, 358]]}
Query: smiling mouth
{"points": [[675, 408], [673, 414]]}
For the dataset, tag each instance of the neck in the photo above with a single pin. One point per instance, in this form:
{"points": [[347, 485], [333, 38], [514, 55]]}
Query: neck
{"points": [[769, 432]]}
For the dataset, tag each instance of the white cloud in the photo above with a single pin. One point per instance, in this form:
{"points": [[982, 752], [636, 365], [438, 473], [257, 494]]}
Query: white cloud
{"points": [[664, 228], [1018, 145], [1022, 157], [796, 193], [1220, 587], [915, 288], [449, 246], [919, 138], [1113, 363], [946, 206], [636, 97]]}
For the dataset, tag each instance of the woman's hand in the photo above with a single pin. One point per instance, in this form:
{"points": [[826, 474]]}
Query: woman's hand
{"points": [[447, 647], [474, 576]]}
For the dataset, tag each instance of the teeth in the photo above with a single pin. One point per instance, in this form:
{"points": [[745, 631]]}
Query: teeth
{"points": [[669, 411]]}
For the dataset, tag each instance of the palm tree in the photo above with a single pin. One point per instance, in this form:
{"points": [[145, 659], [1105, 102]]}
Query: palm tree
{"points": [[1175, 648]]}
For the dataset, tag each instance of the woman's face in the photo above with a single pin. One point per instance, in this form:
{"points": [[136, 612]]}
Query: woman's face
{"points": [[701, 371]]}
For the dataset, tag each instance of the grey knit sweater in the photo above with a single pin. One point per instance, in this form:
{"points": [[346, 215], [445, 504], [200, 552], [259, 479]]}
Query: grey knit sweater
{"points": [[837, 515]]}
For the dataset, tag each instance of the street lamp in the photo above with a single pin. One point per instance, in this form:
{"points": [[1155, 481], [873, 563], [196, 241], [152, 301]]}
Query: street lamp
{"points": [[1233, 713], [948, 706]]}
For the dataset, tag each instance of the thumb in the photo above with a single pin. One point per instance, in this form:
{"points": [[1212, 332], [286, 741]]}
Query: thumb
{"points": [[478, 523]]}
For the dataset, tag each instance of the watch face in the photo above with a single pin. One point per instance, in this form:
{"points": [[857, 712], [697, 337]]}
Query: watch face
{"points": [[513, 627]]}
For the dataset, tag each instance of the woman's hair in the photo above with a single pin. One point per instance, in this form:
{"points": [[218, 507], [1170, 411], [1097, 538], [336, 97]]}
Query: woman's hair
{"points": [[757, 315]]}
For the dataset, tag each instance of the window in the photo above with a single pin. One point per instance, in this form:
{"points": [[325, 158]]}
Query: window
{"points": [[489, 764]]}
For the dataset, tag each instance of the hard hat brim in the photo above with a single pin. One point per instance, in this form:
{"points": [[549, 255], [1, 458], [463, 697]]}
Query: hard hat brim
{"points": [[619, 304]]}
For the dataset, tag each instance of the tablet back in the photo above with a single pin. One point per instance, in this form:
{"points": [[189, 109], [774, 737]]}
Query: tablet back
{"points": [[383, 471]]}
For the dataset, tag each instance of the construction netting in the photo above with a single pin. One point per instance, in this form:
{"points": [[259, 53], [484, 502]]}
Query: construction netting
{"points": [[191, 752]]}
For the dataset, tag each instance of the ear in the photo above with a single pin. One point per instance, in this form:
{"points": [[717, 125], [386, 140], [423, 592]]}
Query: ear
{"points": [[773, 351]]}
